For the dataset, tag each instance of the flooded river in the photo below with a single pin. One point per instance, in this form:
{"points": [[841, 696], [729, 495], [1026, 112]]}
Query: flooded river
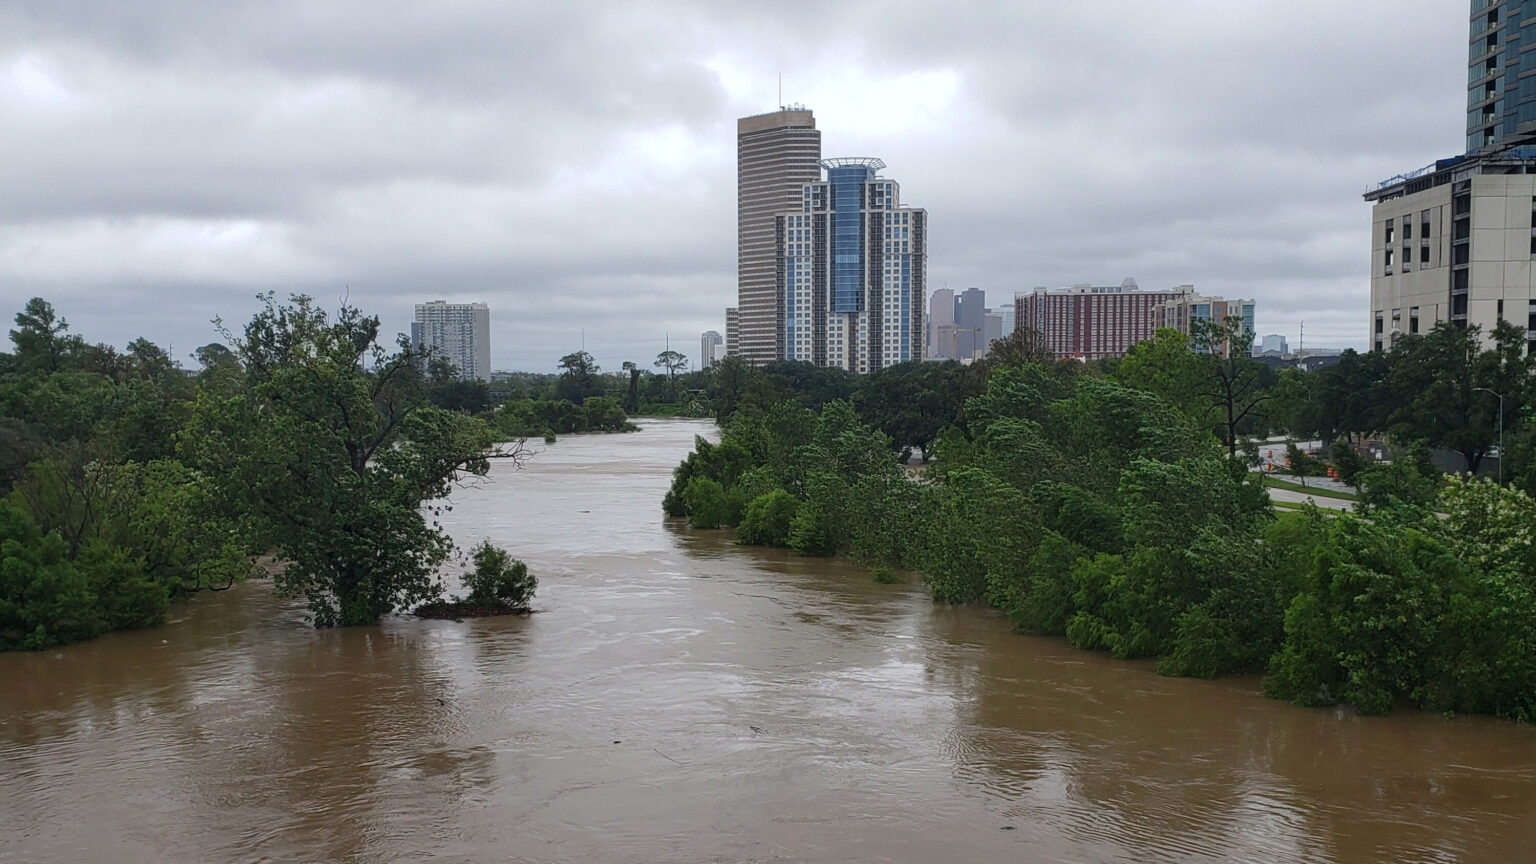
{"points": [[680, 699]]}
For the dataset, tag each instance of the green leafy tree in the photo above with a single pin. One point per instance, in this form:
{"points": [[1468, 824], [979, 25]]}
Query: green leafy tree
{"points": [[632, 392], [911, 402], [44, 598], [673, 363], [1347, 461], [1235, 381], [498, 579], [578, 378], [42, 339], [768, 519], [1302, 465], [331, 451], [1166, 366], [1023, 347], [1434, 381]]}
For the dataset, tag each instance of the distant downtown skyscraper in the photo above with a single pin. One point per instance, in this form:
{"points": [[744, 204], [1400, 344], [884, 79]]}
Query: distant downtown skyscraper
{"points": [[776, 155], [709, 348], [458, 332], [971, 323], [851, 267], [941, 325]]}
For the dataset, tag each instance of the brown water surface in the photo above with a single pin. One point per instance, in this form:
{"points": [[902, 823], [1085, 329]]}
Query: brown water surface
{"points": [[681, 699]]}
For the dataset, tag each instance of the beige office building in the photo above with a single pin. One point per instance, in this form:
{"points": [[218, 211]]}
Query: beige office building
{"points": [[777, 154], [1454, 242]]}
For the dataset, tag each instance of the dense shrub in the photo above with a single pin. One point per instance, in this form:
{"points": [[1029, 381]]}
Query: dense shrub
{"points": [[498, 579], [705, 502], [768, 519], [1347, 461], [48, 598]]}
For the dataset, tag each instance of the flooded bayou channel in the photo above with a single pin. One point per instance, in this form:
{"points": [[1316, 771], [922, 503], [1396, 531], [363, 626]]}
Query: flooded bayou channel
{"points": [[679, 698]]}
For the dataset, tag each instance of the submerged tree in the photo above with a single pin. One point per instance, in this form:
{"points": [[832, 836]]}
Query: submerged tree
{"points": [[632, 392], [330, 450]]}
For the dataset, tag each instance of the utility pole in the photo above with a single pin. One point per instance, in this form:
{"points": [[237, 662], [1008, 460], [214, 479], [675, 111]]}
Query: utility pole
{"points": [[1501, 429]]}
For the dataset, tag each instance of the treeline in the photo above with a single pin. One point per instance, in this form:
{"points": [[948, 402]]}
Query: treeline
{"points": [[1083, 501], [1448, 388], [126, 481], [100, 524]]}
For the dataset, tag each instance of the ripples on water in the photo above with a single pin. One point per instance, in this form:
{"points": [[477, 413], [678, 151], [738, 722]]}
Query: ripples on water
{"points": [[678, 698]]}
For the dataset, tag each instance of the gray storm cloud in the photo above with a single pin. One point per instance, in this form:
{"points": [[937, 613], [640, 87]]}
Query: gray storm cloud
{"points": [[573, 164]]}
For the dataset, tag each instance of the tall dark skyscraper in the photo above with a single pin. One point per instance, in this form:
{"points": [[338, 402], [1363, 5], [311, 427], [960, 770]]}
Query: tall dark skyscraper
{"points": [[776, 155], [1501, 75]]}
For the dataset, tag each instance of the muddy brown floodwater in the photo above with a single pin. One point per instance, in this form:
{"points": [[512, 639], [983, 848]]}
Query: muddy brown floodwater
{"points": [[680, 699]]}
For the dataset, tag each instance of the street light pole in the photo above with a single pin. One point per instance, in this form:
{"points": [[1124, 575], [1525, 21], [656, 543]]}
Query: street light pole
{"points": [[1501, 428]]}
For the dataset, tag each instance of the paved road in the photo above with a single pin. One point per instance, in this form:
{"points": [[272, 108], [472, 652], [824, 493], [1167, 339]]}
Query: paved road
{"points": [[1273, 454], [1301, 497]]}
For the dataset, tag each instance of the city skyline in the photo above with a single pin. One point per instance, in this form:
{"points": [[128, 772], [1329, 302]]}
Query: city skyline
{"points": [[168, 162]]}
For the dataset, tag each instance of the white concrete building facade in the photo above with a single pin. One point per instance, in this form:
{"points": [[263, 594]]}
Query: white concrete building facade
{"points": [[852, 265], [1454, 242], [458, 332]]}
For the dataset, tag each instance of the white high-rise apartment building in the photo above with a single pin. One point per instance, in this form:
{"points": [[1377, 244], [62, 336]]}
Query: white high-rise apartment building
{"points": [[458, 332], [851, 270]]}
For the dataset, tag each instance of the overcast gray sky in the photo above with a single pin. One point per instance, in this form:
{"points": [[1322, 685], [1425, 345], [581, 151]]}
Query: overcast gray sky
{"points": [[572, 164]]}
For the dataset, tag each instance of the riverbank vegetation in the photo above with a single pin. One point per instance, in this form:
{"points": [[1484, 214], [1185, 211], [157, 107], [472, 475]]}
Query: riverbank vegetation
{"points": [[499, 585], [1114, 507], [128, 482]]}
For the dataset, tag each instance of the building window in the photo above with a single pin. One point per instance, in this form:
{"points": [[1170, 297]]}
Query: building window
{"points": [[1424, 225], [1413, 319], [1407, 229], [1423, 256], [1391, 230], [1378, 323], [1389, 259]]}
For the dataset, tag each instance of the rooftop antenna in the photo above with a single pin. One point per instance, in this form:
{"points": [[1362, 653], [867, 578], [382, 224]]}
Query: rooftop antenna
{"points": [[1301, 341]]}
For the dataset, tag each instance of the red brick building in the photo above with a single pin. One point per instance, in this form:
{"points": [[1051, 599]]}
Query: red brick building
{"points": [[1089, 322]]}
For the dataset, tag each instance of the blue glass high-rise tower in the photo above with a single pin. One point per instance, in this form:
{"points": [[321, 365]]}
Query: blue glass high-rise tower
{"points": [[852, 265], [1501, 75]]}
